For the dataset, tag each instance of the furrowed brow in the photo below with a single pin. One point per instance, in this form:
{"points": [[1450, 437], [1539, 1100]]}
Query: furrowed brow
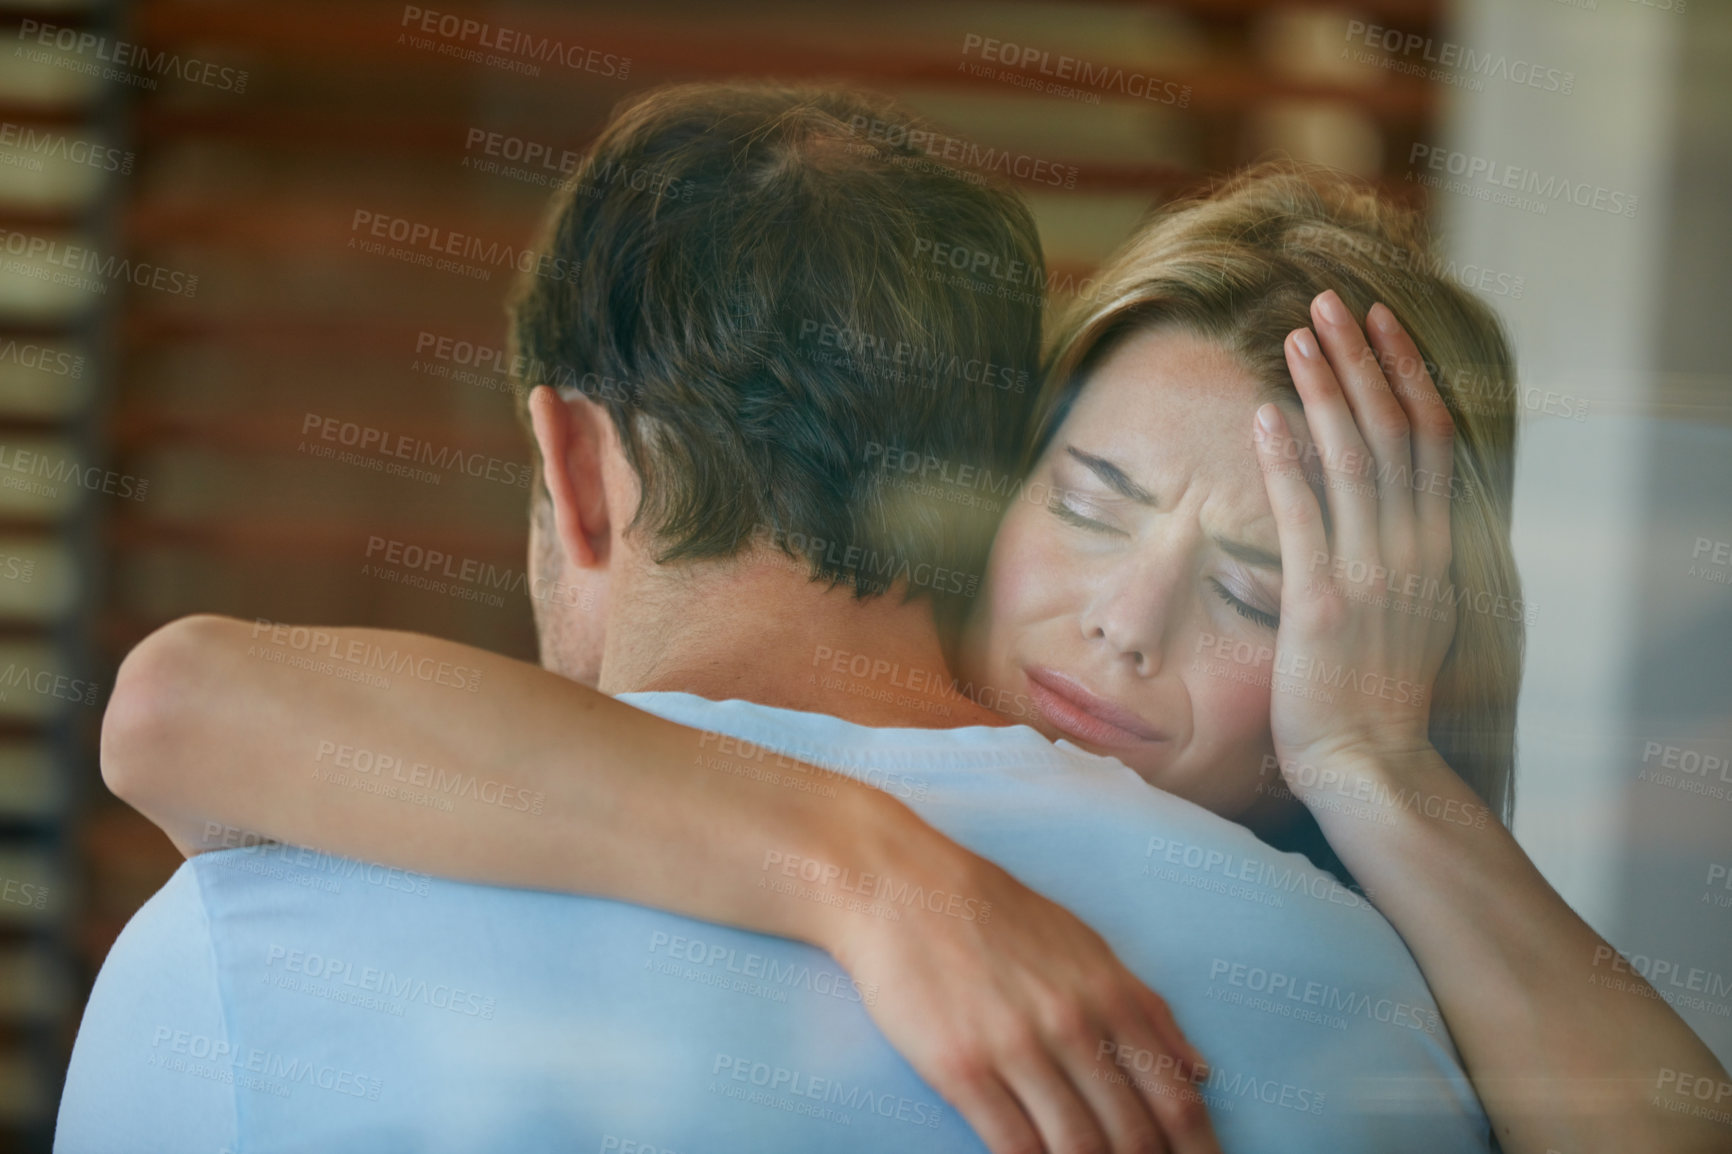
{"points": [[1111, 476]]}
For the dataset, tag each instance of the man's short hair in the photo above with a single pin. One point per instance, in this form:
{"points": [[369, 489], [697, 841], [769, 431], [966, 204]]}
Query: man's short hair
{"points": [[807, 330]]}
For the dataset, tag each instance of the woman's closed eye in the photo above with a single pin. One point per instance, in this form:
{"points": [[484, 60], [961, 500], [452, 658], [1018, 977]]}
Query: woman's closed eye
{"points": [[1266, 620], [1061, 507]]}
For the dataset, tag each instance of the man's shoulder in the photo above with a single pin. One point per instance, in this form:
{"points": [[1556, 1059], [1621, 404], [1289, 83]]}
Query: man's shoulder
{"points": [[794, 733], [145, 1069]]}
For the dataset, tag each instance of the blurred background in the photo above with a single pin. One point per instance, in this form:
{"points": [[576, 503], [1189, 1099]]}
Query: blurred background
{"points": [[190, 287]]}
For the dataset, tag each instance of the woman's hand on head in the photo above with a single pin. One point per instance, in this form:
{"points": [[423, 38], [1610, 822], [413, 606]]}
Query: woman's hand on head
{"points": [[1367, 613], [1023, 1018]]}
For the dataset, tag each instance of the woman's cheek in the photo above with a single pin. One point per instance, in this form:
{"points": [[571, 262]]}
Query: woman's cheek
{"points": [[1009, 603], [1029, 570], [1230, 730]]}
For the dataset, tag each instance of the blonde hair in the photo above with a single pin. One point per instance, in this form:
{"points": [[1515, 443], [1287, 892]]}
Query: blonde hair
{"points": [[1241, 266]]}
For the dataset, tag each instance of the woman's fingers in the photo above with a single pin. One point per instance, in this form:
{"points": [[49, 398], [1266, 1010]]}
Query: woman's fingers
{"points": [[993, 1112], [1298, 519], [1114, 1094], [1381, 419], [1350, 492], [1168, 1078], [1161, 1015], [1064, 1119], [1433, 429]]}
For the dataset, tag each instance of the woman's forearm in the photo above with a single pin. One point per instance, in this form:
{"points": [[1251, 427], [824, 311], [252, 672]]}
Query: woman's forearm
{"points": [[470, 765], [1567, 1046]]}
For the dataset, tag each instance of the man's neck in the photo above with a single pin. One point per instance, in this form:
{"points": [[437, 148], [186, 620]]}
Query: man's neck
{"points": [[760, 630]]}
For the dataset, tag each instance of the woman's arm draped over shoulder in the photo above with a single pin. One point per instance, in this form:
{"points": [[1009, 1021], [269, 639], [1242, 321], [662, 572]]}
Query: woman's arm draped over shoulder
{"points": [[220, 728], [1568, 1048]]}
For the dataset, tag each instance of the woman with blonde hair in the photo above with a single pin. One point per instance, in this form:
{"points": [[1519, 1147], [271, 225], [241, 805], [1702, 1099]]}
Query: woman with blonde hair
{"points": [[1263, 561]]}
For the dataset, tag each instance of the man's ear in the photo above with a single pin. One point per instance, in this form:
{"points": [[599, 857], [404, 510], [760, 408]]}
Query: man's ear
{"points": [[570, 434]]}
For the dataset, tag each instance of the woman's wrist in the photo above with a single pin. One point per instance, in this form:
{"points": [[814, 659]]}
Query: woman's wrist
{"points": [[881, 867], [1365, 794]]}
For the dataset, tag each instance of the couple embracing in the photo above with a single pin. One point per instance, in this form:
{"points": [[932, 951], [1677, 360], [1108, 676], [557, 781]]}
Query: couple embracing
{"points": [[1189, 835]]}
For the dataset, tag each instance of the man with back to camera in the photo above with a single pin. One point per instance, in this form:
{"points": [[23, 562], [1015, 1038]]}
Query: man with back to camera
{"points": [[270, 998]]}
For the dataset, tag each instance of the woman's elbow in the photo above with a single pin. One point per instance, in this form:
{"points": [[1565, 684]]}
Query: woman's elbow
{"points": [[152, 704]]}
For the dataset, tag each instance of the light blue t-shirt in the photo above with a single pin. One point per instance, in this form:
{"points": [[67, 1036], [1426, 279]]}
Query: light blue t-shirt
{"points": [[277, 999]]}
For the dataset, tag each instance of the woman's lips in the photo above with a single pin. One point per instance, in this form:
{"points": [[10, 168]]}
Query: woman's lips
{"points": [[1080, 714]]}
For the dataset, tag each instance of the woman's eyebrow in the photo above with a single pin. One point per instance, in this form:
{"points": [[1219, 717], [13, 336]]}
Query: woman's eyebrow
{"points": [[1119, 481], [1112, 476]]}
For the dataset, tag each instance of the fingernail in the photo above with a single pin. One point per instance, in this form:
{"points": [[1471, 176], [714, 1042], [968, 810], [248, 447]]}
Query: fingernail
{"points": [[1306, 344], [1382, 319], [1268, 419], [1332, 309]]}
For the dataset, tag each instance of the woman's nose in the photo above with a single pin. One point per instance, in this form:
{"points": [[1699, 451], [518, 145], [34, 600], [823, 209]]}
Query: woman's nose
{"points": [[1131, 610]]}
